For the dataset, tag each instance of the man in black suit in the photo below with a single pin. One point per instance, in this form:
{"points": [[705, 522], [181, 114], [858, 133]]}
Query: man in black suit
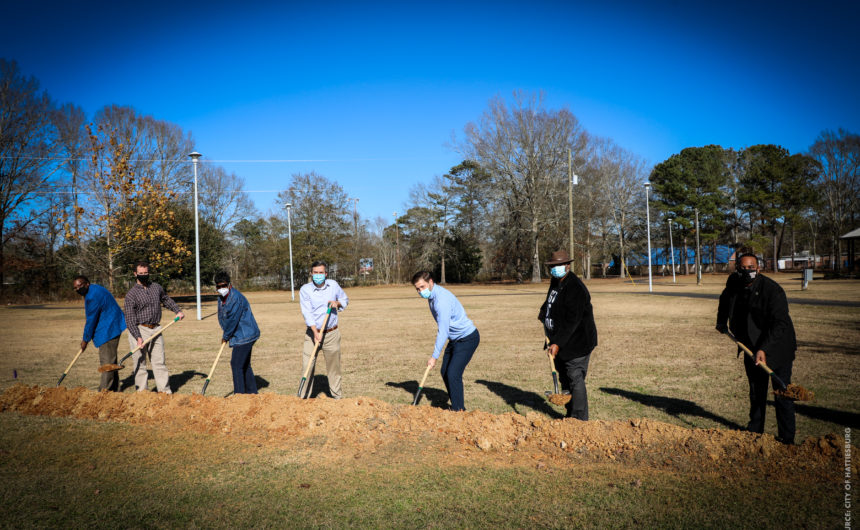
{"points": [[568, 322], [757, 312]]}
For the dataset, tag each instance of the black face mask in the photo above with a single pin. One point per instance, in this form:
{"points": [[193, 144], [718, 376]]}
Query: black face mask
{"points": [[83, 290], [747, 276], [143, 278]]}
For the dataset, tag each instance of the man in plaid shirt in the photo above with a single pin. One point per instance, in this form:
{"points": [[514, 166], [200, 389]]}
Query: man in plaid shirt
{"points": [[143, 319]]}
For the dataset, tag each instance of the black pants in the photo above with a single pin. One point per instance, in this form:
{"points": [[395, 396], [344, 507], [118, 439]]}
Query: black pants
{"points": [[458, 353], [571, 374], [243, 375], [759, 380]]}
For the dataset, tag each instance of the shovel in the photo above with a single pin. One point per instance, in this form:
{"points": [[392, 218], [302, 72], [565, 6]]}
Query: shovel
{"points": [[212, 371], [555, 398], [790, 391], [552, 367], [114, 367], [70, 366], [313, 358], [421, 386]]}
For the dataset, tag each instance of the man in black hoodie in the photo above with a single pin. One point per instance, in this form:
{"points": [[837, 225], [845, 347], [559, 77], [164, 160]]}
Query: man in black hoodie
{"points": [[757, 313], [568, 322]]}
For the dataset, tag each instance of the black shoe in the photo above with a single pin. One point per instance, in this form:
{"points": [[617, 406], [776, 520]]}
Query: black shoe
{"points": [[786, 441]]}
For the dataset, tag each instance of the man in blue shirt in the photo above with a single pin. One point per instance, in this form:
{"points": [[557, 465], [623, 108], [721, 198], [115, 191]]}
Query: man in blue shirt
{"points": [[105, 323], [456, 328], [314, 299]]}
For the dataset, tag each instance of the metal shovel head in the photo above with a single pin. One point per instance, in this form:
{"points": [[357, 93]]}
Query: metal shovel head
{"points": [[558, 399], [417, 396], [110, 367]]}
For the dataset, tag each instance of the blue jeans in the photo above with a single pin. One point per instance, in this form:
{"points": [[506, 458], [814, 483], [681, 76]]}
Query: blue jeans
{"points": [[243, 375], [457, 355]]}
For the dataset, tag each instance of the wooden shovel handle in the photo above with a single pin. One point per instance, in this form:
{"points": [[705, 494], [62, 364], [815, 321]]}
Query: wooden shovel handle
{"points": [[70, 366], [750, 353], [427, 371], [318, 345], [212, 371]]}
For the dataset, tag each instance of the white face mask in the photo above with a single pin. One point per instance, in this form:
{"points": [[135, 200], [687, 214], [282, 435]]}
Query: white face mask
{"points": [[223, 291]]}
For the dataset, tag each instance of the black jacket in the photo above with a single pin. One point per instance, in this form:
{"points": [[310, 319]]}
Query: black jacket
{"points": [[573, 318], [768, 324]]}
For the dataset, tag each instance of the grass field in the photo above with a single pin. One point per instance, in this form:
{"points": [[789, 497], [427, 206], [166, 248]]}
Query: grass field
{"points": [[659, 357]]}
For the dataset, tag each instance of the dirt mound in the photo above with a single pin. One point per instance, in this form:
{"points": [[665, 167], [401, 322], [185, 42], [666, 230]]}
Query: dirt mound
{"points": [[355, 427]]}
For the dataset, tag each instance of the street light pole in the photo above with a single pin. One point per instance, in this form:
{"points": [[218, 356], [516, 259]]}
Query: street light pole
{"points": [[648, 230], [672, 247], [290, 237], [397, 247], [194, 157], [698, 252]]}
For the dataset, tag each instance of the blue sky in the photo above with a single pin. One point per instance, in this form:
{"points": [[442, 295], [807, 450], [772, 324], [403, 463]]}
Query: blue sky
{"points": [[372, 93]]}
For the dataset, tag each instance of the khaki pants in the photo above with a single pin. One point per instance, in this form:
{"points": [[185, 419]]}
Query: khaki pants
{"points": [[107, 355], [155, 351], [331, 350]]}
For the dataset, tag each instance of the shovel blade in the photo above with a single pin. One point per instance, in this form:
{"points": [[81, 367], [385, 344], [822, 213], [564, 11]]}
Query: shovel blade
{"points": [[61, 379], [555, 382], [203, 392], [417, 396], [110, 368], [301, 386]]}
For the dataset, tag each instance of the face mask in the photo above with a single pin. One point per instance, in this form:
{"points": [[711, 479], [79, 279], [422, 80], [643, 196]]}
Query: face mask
{"points": [[425, 294], [747, 276], [558, 271], [144, 278], [223, 291], [83, 290], [318, 278]]}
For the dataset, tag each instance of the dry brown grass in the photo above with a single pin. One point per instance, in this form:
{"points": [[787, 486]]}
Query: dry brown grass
{"points": [[659, 356]]}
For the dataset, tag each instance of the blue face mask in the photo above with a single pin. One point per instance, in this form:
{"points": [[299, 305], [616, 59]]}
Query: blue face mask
{"points": [[558, 271], [425, 294], [318, 278]]}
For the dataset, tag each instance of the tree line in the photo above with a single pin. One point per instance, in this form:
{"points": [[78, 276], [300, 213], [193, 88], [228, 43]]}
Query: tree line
{"points": [[93, 194]]}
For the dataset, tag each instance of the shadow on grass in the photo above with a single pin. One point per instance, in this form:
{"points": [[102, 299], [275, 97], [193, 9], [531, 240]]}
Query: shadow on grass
{"points": [[672, 406], [438, 398], [821, 347], [514, 396], [175, 381], [839, 417]]}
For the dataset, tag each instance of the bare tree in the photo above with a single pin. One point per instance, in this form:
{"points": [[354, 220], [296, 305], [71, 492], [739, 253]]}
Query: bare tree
{"points": [[222, 201], [27, 142], [524, 148]]}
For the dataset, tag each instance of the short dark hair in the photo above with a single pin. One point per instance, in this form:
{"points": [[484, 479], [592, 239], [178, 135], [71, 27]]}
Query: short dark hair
{"points": [[221, 277], [744, 252], [82, 278], [421, 275], [319, 263], [141, 263]]}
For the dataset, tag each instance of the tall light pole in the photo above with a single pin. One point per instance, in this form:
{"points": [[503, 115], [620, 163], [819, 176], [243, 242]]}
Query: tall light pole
{"points": [[672, 247], [397, 247], [698, 252], [194, 157], [571, 180], [290, 237], [355, 218], [648, 230]]}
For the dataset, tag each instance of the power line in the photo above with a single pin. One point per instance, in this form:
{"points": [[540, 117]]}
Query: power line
{"points": [[232, 161]]}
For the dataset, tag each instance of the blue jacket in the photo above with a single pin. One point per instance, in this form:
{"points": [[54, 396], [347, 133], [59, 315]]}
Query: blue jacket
{"points": [[105, 320], [236, 319]]}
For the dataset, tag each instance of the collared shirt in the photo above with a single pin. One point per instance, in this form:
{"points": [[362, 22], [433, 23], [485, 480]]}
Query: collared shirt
{"points": [[314, 301], [143, 306], [450, 317]]}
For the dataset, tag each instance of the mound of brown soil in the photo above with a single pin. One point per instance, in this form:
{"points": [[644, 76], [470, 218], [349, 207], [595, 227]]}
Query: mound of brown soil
{"points": [[355, 427]]}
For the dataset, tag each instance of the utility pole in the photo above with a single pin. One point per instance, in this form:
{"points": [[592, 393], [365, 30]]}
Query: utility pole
{"points": [[355, 219], [570, 183]]}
